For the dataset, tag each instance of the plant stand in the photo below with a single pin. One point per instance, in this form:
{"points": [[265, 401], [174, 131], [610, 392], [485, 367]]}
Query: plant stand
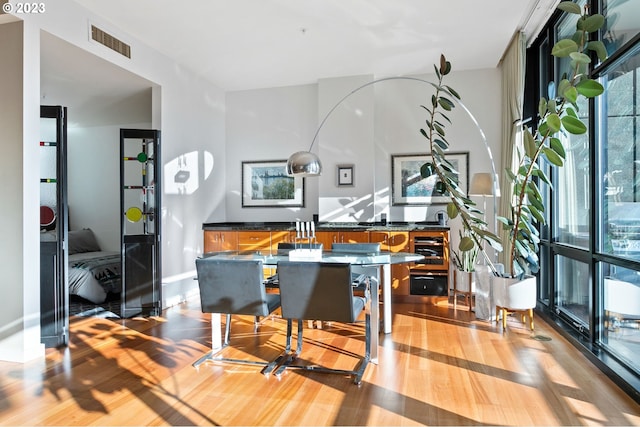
{"points": [[464, 282]]}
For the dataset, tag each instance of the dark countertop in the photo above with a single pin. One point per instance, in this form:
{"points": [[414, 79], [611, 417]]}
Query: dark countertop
{"points": [[327, 226]]}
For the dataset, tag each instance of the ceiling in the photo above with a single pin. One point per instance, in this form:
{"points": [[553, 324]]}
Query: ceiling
{"points": [[248, 44]]}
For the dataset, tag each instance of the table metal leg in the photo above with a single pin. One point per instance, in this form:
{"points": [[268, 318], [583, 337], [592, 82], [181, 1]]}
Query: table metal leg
{"points": [[375, 317], [216, 335], [386, 297]]}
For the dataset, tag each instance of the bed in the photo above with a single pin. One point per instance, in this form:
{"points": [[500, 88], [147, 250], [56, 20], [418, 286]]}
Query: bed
{"points": [[93, 273]]}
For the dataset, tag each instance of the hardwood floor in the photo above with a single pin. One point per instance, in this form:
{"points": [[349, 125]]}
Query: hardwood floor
{"points": [[438, 367]]}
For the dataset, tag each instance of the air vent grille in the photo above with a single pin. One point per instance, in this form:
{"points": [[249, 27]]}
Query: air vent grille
{"points": [[111, 42]]}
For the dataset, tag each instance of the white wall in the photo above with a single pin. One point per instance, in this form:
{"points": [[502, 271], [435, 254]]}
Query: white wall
{"points": [[188, 110], [399, 119], [93, 177], [347, 138], [370, 126], [19, 170], [269, 124]]}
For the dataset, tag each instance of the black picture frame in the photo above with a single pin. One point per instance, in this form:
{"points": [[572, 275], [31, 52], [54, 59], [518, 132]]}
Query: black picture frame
{"points": [[408, 188], [265, 184]]}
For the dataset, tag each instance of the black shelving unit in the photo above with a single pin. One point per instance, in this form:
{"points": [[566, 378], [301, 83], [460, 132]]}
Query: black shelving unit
{"points": [[140, 222], [54, 291]]}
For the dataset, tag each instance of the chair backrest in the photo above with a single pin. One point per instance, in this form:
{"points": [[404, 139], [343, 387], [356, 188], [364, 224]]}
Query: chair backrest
{"points": [[285, 247], [232, 286], [318, 291], [356, 248]]}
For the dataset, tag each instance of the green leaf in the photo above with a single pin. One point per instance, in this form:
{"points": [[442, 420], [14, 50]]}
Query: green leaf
{"points": [[453, 92], [554, 123], [570, 7], [452, 210], [542, 176], [563, 86], [578, 37], [445, 103], [537, 203], [536, 214], [592, 23], [552, 156], [543, 128], [571, 94], [563, 48], [466, 244], [426, 170], [542, 107], [556, 145], [589, 88], [530, 146], [574, 125], [445, 66], [580, 58], [598, 47], [442, 144]]}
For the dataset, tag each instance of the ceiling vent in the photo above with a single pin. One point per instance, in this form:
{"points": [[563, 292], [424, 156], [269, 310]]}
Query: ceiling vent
{"points": [[111, 42]]}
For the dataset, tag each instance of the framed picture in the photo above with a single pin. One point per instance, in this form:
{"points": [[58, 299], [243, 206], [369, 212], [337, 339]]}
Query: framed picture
{"points": [[345, 175], [266, 184], [409, 188]]}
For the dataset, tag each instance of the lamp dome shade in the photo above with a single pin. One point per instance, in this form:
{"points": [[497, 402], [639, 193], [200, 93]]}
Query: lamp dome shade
{"points": [[304, 163], [482, 185]]}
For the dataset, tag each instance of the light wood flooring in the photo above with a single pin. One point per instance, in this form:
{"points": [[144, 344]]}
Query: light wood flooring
{"points": [[438, 367]]}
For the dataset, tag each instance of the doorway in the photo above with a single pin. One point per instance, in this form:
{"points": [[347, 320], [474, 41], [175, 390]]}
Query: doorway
{"points": [[101, 98]]}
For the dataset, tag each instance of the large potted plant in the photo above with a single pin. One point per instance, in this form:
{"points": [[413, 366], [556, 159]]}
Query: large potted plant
{"points": [[557, 117]]}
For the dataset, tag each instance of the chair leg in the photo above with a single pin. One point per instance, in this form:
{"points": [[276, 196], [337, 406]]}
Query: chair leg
{"points": [[290, 357], [356, 373], [212, 355], [227, 331], [268, 369], [531, 318], [359, 371]]}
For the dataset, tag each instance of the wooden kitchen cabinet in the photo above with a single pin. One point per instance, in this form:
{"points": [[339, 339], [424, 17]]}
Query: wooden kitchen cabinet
{"points": [[255, 241], [410, 282], [395, 241], [338, 236], [220, 240]]}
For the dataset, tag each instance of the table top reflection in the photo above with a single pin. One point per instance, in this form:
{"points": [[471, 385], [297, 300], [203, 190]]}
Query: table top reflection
{"points": [[378, 258]]}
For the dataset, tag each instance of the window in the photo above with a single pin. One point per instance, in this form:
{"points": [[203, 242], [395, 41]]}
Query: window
{"points": [[589, 280], [619, 148], [620, 313]]}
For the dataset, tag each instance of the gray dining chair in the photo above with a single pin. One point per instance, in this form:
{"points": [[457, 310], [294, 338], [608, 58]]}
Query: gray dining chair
{"points": [[229, 287], [359, 274], [320, 291], [283, 249]]}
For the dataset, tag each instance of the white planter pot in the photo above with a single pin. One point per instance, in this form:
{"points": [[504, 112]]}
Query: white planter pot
{"points": [[465, 281], [485, 307], [512, 294]]}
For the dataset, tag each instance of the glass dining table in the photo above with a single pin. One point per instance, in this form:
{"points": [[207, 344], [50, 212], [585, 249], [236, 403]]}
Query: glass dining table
{"points": [[376, 265]]}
